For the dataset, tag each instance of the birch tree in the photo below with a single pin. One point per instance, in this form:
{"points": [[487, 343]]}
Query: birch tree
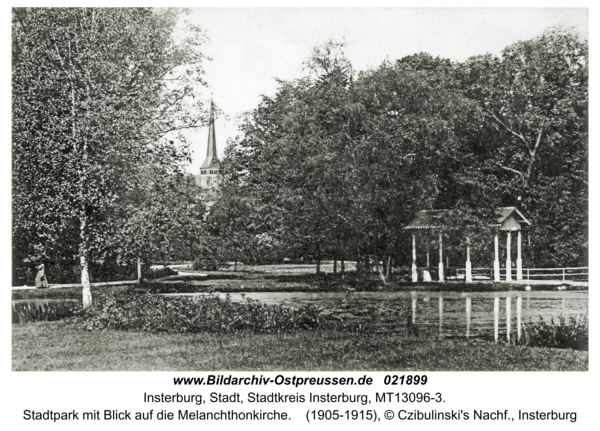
{"points": [[97, 93]]}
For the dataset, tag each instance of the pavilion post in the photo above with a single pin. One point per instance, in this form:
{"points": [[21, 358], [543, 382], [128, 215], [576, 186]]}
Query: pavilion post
{"points": [[519, 306], [441, 313], [140, 277], [508, 319], [441, 265], [519, 260], [508, 261], [496, 259], [496, 318], [415, 276], [427, 272], [468, 312], [468, 275]]}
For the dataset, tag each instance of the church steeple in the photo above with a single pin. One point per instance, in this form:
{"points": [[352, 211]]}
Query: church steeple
{"points": [[210, 167]]}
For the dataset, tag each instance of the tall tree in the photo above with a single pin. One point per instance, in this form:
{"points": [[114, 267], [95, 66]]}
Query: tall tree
{"points": [[97, 93], [407, 138], [531, 139], [339, 163], [163, 216], [284, 163], [535, 96]]}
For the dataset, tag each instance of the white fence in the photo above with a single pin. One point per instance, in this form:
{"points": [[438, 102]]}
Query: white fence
{"points": [[478, 274], [561, 274]]}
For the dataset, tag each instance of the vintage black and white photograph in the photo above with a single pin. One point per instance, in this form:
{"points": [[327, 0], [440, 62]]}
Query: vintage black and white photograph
{"points": [[299, 189]]}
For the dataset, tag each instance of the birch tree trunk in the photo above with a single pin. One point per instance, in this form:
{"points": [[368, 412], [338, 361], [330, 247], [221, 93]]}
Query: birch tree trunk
{"points": [[140, 276], [86, 290]]}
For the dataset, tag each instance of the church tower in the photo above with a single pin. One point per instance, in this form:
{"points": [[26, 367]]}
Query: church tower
{"points": [[209, 170]]}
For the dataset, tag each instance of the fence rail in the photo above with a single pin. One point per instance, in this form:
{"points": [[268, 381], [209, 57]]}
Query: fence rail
{"points": [[484, 273], [561, 274]]}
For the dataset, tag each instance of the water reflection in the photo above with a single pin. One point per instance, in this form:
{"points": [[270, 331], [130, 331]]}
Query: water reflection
{"points": [[470, 316], [474, 314]]}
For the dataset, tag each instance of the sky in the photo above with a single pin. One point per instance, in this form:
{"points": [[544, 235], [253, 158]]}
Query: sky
{"points": [[249, 48]]}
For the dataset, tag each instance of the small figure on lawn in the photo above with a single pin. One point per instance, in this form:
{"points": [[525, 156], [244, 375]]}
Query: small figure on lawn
{"points": [[40, 279], [29, 277]]}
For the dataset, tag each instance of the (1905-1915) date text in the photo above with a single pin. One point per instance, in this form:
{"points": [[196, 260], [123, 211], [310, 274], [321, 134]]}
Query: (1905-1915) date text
{"points": [[334, 415]]}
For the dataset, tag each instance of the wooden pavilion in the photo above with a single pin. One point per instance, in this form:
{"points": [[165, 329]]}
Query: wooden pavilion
{"points": [[508, 219]]}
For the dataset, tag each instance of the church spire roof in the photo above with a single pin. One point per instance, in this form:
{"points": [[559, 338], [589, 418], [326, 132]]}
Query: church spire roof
{"points": [[211, 161]]}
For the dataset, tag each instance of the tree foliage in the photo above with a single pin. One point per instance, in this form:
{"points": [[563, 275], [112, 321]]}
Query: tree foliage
{"points": [[532, 140], [336, 163], [163, 217], [97, 94]]}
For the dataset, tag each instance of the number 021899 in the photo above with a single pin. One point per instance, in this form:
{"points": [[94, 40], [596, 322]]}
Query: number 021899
{"points": [[405, 380]]}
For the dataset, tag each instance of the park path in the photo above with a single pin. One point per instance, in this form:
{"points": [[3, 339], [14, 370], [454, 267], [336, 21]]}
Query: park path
{"points": [[182, 273], [100, 284], [104, 283]]}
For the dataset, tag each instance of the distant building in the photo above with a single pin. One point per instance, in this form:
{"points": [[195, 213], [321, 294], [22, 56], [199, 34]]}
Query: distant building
{"points": [[209, 170]]}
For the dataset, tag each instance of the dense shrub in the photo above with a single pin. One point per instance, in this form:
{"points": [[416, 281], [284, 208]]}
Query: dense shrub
{"points": [[172, 262], [176, 286], [566, 333], [63, 274], [153, 274], [201, 314], [37, 311], [209, 264]]}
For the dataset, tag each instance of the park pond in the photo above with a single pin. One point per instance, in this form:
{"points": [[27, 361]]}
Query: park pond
{"points": [[433, 313], [447, 314]]}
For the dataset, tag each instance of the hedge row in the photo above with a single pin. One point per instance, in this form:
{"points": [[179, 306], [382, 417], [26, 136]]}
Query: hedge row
{"points": [[201, 314]]}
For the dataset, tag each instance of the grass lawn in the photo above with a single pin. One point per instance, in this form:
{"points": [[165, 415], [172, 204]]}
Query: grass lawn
{"points": [[49, 346]]}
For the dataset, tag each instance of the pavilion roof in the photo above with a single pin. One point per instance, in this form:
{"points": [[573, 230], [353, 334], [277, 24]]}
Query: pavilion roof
{"points": [[428, 219], [504, 212], [438, 219]]}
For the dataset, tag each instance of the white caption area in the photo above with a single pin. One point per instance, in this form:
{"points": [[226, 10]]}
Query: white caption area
{"points": [[152, 401]]}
